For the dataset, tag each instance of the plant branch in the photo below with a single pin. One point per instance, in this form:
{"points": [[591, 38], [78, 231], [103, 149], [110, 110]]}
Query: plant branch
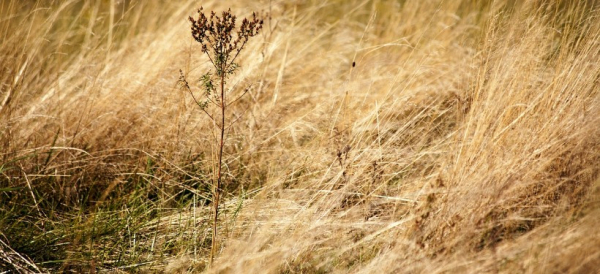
{"points": [[239, 97], [216, 33]]}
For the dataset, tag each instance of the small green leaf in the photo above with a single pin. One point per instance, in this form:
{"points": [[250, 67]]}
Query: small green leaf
{"points": [[8, 189]]}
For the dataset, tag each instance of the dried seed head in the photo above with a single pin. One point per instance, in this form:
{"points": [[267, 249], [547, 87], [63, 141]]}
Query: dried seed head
{"points": [[219, 38]]}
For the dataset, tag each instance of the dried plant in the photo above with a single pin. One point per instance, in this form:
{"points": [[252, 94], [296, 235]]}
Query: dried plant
{"points": [[222, 43]]}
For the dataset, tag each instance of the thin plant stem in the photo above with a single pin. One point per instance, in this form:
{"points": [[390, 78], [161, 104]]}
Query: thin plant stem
{"points": [[222, 46]]}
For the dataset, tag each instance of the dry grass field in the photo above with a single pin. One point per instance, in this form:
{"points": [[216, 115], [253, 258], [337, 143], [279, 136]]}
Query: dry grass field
{"points": [[377, 136]]}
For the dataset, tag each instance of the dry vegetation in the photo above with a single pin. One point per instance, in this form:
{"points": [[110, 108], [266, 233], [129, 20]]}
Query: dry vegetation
{"points": [[378, 136]]}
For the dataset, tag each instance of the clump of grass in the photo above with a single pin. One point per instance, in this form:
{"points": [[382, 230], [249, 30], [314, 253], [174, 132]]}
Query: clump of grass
{"points": [[472, 127]]}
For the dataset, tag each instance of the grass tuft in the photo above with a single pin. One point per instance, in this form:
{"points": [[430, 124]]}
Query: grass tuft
{"points": [[378, 136]]}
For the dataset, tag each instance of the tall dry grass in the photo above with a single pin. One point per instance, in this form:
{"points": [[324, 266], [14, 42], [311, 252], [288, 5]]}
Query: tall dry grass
{"points": [[379, 136]]}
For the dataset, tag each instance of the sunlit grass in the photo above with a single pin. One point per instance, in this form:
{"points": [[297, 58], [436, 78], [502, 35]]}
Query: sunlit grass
{"points": [[378, 136]]}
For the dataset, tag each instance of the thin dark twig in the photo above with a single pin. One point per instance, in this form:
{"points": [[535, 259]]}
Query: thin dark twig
{"points": [[238, 53], [198, 103], [187, 87], [240, 97], [237, 118]]}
